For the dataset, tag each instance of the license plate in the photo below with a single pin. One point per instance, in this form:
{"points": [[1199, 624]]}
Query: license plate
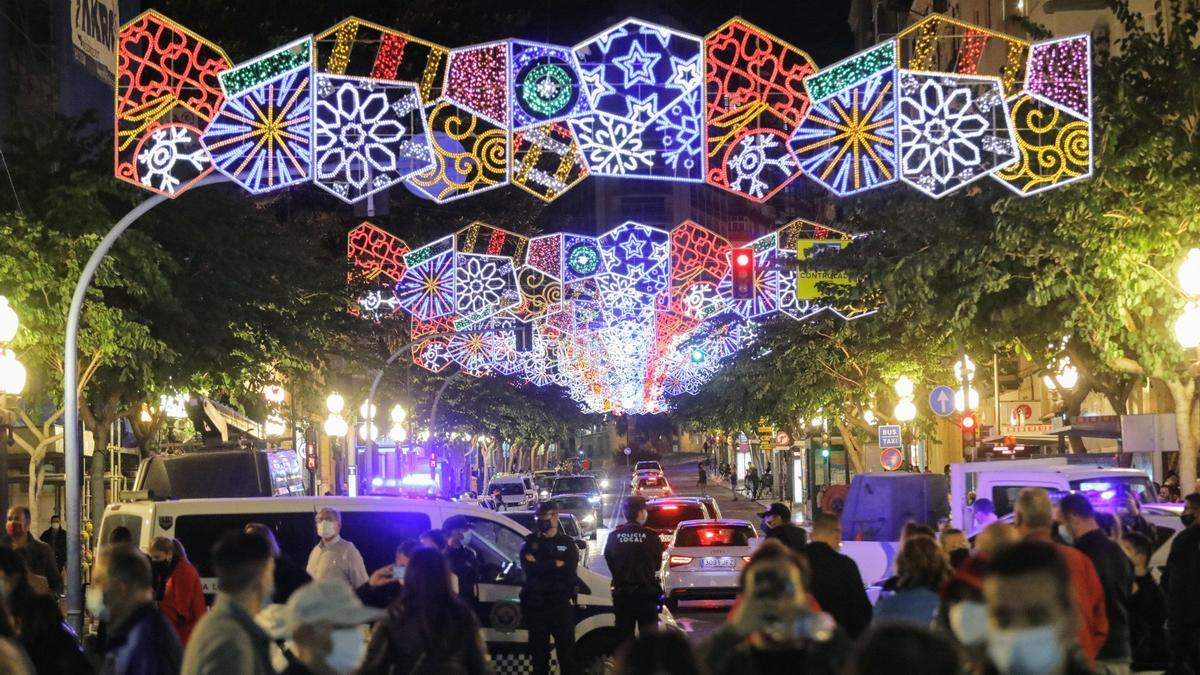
{"points": [[725, 562]]}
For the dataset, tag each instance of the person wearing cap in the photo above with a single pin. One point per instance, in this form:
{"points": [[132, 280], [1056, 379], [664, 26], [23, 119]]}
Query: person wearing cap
{"points": [[777, 520], [549, 559], [321, 624], [634, 553], [464, 562]]}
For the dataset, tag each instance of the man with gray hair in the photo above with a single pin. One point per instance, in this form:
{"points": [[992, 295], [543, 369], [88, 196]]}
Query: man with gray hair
{"points": [[334, 557], [1034, 517]]}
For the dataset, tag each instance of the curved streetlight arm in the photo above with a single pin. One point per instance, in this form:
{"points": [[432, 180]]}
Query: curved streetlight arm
{"points": [[73, 451]]}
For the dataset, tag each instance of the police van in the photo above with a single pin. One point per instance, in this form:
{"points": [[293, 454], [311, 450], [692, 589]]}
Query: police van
{"points": [[376, 525]]}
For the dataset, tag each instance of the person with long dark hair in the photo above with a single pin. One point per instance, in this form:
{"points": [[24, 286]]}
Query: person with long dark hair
{"points": [[52, 646], [429, 629]]}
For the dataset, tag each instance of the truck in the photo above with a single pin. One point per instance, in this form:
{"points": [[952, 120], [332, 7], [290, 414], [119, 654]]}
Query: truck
{"points": [[879, 504]]}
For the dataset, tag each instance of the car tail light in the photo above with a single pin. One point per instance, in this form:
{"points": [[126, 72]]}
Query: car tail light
{"points": [[746, 559], [678, 560], [671, 507]]}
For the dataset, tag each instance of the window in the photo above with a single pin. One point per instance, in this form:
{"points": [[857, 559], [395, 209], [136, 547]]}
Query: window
{"points": [[1103, 492], [499, 551], [739, 535], [114, 520], [1004, 497], [576, 485], [568, 525], [667, 516], [378, 533], [649, 482], [507, 489], [573, 504]]}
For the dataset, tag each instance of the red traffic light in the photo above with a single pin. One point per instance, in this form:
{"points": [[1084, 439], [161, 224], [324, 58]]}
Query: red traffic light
{"points": [[743, 273]]}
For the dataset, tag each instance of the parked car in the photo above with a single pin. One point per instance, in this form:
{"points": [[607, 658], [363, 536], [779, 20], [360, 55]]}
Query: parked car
{"points": [[705, 560], [652, 487], [570, 527], [664, 515], [709, 502]]}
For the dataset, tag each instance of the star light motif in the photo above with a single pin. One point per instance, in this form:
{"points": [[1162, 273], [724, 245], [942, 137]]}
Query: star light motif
{"points": [[642, 109], [638, 65], [685, 73]]}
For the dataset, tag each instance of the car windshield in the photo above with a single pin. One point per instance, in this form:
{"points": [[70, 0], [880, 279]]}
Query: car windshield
{"points": [[507, 488], [544, 481], [714, 535], [667, 516], [573, 503], [575, 484], [646, 466]]}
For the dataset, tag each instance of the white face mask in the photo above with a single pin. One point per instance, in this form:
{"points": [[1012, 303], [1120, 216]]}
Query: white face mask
{"points": [[348, 649], [327, 529], [968, 622], [94, 600], [1026, 651]]}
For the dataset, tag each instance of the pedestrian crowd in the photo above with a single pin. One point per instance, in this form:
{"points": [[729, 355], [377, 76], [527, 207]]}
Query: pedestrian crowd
{"points": [[1054, 593]]}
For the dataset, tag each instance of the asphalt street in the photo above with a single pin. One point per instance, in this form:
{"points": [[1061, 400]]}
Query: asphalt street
{"points": [[701, 618]]}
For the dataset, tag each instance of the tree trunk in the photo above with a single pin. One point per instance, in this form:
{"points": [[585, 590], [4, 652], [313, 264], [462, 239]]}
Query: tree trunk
{"points": [[1183, 392], [854, 447]]}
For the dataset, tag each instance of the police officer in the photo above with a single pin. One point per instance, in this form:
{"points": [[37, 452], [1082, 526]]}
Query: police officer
{"points": [[550, 559], [634, 553]]}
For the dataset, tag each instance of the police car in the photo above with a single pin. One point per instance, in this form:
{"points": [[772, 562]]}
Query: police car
{"points": [[376, 525], [705, 559]]}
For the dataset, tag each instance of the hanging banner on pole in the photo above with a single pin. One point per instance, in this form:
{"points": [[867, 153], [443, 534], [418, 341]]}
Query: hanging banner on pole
{"points": [[94, 25]]}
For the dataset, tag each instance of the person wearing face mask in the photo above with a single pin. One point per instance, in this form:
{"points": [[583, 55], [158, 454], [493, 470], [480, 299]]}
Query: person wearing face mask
{"points": [[56, 538], [1181, 581], [177, 587], [1031, 614], [962, 613], [549, 559], [139, 640], [1078, 526], [1034, 518], [322, 625], [464, 562], [836, 582], [51, 645], [777, 522], [227, 640], [772, 628], [38, 556], [334, 557], [387, 582], [428, 630], [634, 554]]}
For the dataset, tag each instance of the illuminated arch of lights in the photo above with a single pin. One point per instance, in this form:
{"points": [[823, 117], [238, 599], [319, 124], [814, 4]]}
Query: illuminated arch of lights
{"points": [[622, 321], [360, 107]]}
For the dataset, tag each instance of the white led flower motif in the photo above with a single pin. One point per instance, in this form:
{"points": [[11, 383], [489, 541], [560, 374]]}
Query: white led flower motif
{"points": [[953, 130], [482, 284], [367, 136]]}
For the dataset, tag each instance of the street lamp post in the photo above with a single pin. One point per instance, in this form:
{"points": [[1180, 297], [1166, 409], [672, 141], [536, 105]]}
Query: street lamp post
{"points": [[12, 383]]}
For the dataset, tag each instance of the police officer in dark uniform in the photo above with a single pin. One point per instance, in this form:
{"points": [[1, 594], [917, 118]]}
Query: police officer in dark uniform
{"points": [[550, 559], [634, 554]]}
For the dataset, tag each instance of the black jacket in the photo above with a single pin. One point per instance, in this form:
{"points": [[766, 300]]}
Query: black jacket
{"points": [[838, 587], [1181, 581], [633, 553], [789, 535], [1116, 578], [57, 541], [1147, 627], [546, 582], [289, 576], [379, 596], [39, 558], [145, 644], [464, 563]]}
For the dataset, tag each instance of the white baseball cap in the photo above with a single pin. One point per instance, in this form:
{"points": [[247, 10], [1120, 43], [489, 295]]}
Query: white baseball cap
{"points": [[329, 601]]}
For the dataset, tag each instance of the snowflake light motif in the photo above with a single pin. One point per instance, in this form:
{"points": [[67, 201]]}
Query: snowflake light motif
{"points": [[953, 130], [171, 158], [368, 135]]}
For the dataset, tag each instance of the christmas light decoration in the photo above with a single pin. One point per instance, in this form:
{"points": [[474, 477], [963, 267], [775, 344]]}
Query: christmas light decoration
{"points": [[755, 101], [378, 256], [368, 135], [739, 109], [953, 130], [848, 142], [167, 90]]}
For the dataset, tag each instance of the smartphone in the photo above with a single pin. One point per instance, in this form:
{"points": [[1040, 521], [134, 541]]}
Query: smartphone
{"points": [[398, 573]]}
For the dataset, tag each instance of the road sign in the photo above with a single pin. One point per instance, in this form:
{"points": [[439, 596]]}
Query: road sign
{"points": [[628, 451], [889, 436], [941, 401], [891, 459], [782, 438]]}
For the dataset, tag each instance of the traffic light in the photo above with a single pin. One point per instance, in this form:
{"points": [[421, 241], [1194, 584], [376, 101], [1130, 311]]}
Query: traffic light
{"points": [[524, 337], [743, 273], [969, 424]]}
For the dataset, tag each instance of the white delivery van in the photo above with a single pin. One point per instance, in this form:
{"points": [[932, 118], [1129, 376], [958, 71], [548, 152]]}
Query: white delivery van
{"points": [[516, 490], [376, 525]]}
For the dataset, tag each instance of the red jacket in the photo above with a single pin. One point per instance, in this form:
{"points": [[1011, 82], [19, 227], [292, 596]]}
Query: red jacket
{"points": [[183, 600], [1089, 598]]}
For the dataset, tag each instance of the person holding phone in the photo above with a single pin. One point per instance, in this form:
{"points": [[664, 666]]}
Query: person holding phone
{"points": [[387, 582], [773, 629]]}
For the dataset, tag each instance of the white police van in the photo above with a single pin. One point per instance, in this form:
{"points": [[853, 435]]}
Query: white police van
{"points": [[376, 525]]}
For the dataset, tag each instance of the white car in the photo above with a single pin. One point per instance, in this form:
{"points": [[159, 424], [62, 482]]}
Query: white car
{"points": [[647, 465], [652, 487], [706, 558]]}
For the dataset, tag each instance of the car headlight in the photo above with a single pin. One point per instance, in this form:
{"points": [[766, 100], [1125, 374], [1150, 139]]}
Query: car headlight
{"points": [[545, 494], [594, 500], [589, 518], [604, 484]]}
